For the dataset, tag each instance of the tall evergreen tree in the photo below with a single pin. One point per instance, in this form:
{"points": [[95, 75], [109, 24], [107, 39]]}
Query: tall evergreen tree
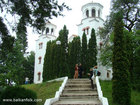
{"points": [[129, 40], [47, 63], [63, 37], [84, 53], [92, 50], [74, 56], [136, 71], [121, 89]]}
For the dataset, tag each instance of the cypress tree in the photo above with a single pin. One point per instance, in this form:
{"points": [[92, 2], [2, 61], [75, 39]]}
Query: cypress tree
{"points": [[129, 51], [121, 91], [92, 50], [74, 54], [47, 65], [63, 37], [84, 53]]}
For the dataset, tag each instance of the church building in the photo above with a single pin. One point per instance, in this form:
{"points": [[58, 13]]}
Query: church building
{"points": [[48, 33], [92, 18]]}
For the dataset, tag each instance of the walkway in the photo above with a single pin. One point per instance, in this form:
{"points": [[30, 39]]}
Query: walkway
{"points": [[78, 92]]}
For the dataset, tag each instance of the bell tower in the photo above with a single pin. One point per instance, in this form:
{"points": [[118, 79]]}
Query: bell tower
{"points": [[91, 18]]}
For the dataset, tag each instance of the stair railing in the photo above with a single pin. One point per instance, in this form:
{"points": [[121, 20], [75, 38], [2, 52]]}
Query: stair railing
{"points": [[104, 100], [58, 93]]}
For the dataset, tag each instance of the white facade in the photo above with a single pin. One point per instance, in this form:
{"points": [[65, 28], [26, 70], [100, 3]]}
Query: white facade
{"points": [[92, 18], [48, 33]]}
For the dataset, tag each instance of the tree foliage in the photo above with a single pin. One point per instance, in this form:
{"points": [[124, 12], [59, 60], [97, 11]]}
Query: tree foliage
{"points": [[136, 70], [92, 50], [29, 66], [121, 89], [56, 57], [84, 53], [74, 54], [130, 10]]}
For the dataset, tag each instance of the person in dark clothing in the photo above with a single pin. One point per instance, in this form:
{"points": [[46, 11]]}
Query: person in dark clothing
{"points": [[80, 69], [90, 77]]}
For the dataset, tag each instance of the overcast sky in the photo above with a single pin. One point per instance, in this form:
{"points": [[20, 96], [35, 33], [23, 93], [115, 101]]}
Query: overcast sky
{"points": [[71, 18]]}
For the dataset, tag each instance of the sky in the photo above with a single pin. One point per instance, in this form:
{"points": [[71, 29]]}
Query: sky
{"points": [[71, 19]]}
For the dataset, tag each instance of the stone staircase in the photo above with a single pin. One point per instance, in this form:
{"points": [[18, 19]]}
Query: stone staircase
{"points": [[78, 92]]}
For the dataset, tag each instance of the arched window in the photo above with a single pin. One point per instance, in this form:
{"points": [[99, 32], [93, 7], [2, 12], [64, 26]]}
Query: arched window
{"points": [[52, 31], [93, 12], [39, 60], [39, 73], [87, 13], [108, 74], [47, 30], [99, 13]]}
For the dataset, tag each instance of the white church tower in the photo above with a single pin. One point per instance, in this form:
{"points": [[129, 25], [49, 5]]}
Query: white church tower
{"points": [[48, 33], [92, 18]]}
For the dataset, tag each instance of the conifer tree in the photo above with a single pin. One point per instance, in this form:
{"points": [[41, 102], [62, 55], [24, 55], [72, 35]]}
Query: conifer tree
{"points": [[121, 90], [47, 63], [63, 37], [92, 50], [74, 54], [84, 52]]}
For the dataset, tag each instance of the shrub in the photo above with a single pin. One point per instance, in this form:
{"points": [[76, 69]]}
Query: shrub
{"points": [[18, 96]]}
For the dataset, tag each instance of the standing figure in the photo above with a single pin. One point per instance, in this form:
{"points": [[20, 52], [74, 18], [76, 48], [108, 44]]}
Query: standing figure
{"points": [[76, 72], [95, 71], [80, 69], [90, 77]]}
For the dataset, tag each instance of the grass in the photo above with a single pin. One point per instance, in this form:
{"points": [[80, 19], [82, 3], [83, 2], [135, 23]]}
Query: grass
{"points": [[107, 92], [44, 90]]}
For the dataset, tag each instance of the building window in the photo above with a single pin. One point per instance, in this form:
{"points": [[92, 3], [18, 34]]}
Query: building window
{"points": [[47, 30], [52, 31], [39, 74], [39, 60], [87, 13], [86, 30], [99, 13], [40, 45], [108, 74], [93, 12]]}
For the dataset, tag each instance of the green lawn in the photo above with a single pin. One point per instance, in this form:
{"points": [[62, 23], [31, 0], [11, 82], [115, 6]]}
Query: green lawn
{"points": [[107, 92], [45, 90]]}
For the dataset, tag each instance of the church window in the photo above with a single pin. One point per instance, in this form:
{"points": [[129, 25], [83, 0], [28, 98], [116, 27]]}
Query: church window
{"points": [[87, 13], [99, 13], [39, 73], [39, 60], [93, 12], [87, 31], [52, 31], [47, 30], [108, 72], [40, 45]]}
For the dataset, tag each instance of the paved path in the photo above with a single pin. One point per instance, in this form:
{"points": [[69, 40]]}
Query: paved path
{"points": [[78, 92]]}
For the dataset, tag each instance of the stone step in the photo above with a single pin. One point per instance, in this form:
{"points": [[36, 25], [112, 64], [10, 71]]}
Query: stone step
{"points": [[77, 103], [78, 97], [78, 85], [78, 82], [79, 94], [71, 91], [85, 79], [80, 89], [70, 99]]}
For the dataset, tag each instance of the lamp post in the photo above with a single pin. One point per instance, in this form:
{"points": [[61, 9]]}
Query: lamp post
{"points": [[58, 42]]}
